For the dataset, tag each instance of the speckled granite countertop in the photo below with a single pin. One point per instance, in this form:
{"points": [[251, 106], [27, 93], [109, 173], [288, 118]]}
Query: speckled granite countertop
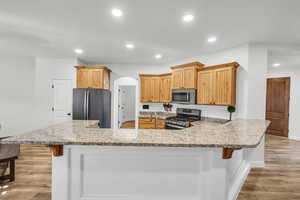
{"points": [[206, 133], [158, 115]]}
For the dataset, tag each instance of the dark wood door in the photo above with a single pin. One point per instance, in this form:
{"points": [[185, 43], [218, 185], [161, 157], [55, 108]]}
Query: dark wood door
{"points": [[277, 111]]}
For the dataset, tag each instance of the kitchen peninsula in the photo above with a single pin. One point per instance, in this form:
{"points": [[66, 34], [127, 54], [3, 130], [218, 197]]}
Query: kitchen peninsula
{"points": [[208, 161]]}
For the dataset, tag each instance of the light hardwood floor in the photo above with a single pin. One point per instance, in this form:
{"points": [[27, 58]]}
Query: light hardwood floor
{"points": [[279, 180], [128, 124], [33, 175]]}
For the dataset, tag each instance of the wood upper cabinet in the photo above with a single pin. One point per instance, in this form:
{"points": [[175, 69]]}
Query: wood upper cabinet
{"points": [[205, 87], [217, 85], [185, 76], [165, 88], [146, 89], [155, 88], [177, 79], [93, 77], [225, 86], [82, 78]]}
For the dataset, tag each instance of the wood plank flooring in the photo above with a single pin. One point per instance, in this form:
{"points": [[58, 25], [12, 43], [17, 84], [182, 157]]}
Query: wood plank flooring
{"points": [[279, 180], [128, 124], [33, 175]]}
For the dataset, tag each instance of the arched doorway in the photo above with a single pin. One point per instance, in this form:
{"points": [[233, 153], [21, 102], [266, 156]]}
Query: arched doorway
{"points": [[125, 102]]}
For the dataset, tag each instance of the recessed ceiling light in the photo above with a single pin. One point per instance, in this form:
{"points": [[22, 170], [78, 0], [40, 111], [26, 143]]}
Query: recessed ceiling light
{"points": [[78, 51], [276, 64], [188, 18], [212, 39], [4, 193], [158, 56], [129, 46], [117, 12]]}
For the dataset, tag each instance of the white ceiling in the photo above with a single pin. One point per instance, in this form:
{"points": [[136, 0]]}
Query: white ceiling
{"points": [[56, 27]]}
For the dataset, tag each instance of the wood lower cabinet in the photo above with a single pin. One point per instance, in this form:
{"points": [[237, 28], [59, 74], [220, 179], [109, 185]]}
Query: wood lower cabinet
{"points": [[217, 85], [151, 123], [155, 88], [185, 76], [93, 77], [147, 123], [160, 124]]}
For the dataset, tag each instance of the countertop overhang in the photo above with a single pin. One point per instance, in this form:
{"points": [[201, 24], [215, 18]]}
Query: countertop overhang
{"points": [[240, 133]]}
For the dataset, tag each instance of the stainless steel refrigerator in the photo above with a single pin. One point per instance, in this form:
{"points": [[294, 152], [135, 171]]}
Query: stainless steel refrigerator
{"points": [[92, 104]]}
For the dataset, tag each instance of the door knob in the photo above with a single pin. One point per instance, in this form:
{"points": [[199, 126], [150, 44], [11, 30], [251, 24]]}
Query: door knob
{"points": [[69, 114]]}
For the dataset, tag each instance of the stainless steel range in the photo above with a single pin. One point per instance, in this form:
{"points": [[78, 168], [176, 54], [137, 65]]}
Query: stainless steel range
{"points": [[183, 118]]}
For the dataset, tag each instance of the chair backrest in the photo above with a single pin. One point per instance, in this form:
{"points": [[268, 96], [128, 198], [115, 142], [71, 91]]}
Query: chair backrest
{"points": [[9, 151]]}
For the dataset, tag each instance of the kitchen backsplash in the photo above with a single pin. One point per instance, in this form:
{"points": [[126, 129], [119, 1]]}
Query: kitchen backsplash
{"points": [[207, 111]]}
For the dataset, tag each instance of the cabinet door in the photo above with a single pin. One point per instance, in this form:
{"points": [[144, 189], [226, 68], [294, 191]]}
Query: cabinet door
{"points": [[82, 78], [155, 88], [189, 78], [106, 80], [146, 89], [160, 124], [224, 86], [177, 79], [165, 89], [205, 88], [95, 79]]}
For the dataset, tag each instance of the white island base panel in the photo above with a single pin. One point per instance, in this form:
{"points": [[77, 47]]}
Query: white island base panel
{"points": [[147, 173]]}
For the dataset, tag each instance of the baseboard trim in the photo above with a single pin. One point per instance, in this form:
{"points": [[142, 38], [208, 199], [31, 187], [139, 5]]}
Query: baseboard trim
{"points": [[294, 138], [257, 164], [239, 181]]}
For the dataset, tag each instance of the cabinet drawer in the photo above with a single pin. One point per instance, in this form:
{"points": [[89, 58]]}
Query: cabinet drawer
{"points": [[147, 120], [147, 123]]}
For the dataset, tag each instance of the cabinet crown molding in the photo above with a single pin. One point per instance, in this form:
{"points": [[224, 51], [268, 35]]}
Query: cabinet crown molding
{"points": [[156, 75], [92, 67], [198, 65], [212, 67]]}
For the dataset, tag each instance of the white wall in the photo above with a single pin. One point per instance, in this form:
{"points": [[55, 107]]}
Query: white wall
{"points": [[294, 74], [16, 94], [48, 69], [26, 96]]}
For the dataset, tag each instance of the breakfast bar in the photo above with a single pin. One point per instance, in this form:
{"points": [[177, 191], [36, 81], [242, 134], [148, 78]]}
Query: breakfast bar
{"points": [[209, 160]]}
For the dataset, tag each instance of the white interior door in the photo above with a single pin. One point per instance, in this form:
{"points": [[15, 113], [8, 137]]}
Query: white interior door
{"points": [[126, 105], [62, 106]]}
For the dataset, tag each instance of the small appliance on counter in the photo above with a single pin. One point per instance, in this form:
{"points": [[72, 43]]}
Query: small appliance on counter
{"points": [[184, 96], [183, 118], [167, 107], [92, 104]]}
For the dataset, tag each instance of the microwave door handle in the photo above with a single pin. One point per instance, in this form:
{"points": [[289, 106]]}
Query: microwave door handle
{"points": [[188, 97]]}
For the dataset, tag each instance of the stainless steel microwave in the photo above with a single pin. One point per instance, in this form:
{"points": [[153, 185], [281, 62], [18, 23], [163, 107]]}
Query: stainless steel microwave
{"points": [[184, 96]]}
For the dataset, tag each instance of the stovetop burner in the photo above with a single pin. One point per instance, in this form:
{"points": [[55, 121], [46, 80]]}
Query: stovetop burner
{"points": [[183, 118]]}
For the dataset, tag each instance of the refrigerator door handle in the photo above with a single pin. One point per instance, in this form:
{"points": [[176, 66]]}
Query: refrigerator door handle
{"points": [[87, 104], [84, 106]]}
